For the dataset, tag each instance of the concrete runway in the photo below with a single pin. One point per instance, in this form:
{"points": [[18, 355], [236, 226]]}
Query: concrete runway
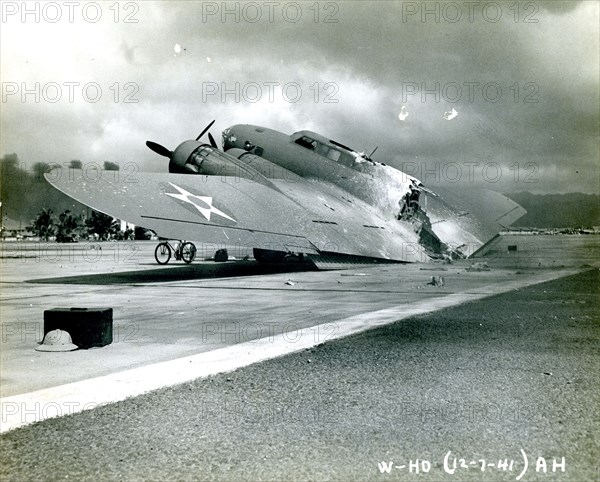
{"points": [[175, 324]]}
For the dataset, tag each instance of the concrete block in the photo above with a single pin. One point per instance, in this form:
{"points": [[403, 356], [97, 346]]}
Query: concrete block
{"points": [[88, 327]]}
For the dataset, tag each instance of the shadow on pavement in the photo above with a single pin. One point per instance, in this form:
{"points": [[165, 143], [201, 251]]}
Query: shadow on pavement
{"points": [[181, 273]]}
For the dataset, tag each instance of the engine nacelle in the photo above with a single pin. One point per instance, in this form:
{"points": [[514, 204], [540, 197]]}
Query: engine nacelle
{"points": [[193, 157], [267, 168]]}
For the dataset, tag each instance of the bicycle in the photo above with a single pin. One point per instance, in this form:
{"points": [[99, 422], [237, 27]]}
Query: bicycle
{"points": [[183, 250]]}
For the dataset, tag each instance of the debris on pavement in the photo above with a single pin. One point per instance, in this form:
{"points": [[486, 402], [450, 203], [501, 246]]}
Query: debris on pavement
{"points": [[437, 281], [481, 266]]}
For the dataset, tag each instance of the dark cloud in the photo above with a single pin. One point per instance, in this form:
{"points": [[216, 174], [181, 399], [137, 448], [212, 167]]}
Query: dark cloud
{"points": [[543, 56]]}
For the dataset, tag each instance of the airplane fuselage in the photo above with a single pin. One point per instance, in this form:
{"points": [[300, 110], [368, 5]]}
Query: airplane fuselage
{"points": [[312, 156]]}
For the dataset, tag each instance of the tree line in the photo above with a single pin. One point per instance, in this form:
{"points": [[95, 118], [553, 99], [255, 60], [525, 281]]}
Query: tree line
{"points": [[27, 197], [69, 227]]}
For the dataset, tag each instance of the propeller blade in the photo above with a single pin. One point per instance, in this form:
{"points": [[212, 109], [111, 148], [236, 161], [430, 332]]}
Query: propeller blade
{"points": [[212, 141], [204, 131], [160, 150]]}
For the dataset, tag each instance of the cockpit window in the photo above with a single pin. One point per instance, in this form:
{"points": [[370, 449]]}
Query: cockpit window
{"points": [[340, 145], [340, 157], [334, 154], [307, 142], [339, 153], [322, 149]]}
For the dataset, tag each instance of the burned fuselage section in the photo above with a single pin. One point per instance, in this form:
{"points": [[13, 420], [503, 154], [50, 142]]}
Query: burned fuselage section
{"points": [[412, 212]]}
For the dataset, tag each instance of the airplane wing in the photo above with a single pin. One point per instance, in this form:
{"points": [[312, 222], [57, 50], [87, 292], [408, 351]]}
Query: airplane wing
{"points": [[239, 211]]}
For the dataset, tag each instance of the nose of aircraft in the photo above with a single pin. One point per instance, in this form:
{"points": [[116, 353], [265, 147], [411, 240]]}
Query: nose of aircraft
{"points": [[241, 136], [230, 138]]}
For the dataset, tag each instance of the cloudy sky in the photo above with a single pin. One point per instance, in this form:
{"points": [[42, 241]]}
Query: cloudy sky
{"points": [[500, 94]]}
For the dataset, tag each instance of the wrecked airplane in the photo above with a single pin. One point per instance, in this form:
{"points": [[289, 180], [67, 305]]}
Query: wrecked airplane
{"points": [[300, 194]]}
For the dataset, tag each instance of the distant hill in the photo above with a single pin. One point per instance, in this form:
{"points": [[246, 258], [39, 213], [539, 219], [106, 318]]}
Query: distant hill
{"points": [[558, 210]]}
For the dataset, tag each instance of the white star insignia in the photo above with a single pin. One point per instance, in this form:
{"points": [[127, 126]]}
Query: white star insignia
{"points": [[188, 197]]}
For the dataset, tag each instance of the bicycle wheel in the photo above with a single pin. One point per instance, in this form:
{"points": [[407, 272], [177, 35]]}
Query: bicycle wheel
{"points": [[188, 252], [162, 253]]}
